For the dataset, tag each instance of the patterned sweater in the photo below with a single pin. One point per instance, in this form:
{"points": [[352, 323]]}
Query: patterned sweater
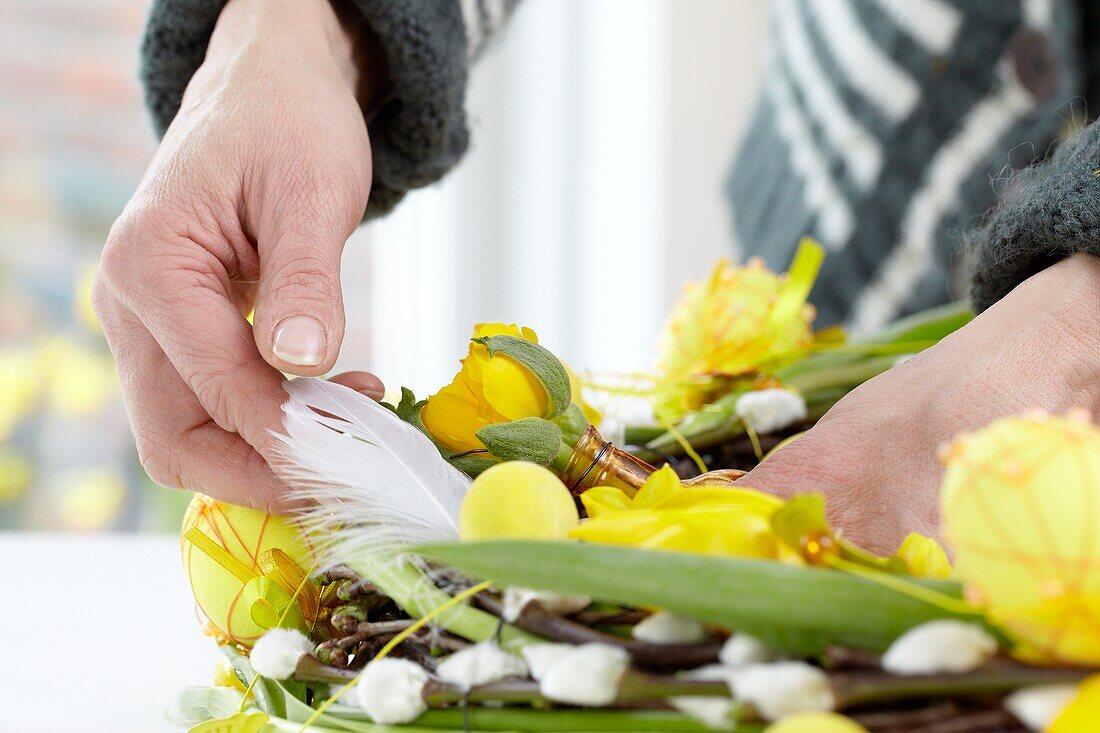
{"points": [[888, 129]]}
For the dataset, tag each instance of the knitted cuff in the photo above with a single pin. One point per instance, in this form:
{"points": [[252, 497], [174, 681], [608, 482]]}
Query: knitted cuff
{"points": [[417, 136], [1051, 211]]}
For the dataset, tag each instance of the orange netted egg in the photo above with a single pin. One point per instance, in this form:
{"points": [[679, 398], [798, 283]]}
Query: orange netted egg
{"points": [[244, 567]]}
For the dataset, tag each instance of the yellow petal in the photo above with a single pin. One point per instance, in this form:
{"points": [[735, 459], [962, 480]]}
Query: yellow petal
{"points": [[517, 500], [483, 330], [1081, 714], [453, 420], [601, 499], [924, 557], [660, 487], [512, 390]]}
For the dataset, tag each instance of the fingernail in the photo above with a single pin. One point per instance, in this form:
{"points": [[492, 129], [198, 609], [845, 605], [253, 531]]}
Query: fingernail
{"points": [[373, 392], [300, 340]]}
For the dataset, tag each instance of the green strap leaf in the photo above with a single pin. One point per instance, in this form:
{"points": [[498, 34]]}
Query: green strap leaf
{"points": [[540, 362], [528, 439], [798, 610]]}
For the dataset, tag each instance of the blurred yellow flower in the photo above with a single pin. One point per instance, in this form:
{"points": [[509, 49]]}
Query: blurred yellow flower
{"points": [[15, 475], [486, 391], [225, 676], [78, 380], [1083, 712], [517, 500], [737, 321], [21, 387], [82, 298], [924, 557], [666, 515], [91, 498]]}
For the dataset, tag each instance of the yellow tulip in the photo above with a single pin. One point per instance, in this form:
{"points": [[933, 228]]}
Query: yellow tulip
{"points": [[924, 557], [1083, 712], [737, 321], [517, 500], [1020, 509], [664, 514], [485, 392]]}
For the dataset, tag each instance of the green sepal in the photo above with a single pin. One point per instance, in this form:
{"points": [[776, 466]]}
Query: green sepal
{"points": [[804, 516], [540, 362], [473, 465], [572, 423], [530, 439], [408, 408], [470, 464]]}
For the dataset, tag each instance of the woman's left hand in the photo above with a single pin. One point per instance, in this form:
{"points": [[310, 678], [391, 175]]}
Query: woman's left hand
{"points": [[874, 455]]}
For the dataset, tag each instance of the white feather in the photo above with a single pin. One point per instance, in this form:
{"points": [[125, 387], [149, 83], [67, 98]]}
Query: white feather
{"points": [[375, 482]]}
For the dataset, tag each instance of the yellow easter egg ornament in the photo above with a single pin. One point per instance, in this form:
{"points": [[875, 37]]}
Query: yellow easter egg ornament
{"points": [[1021, 508], [245, 566], [517, 500], [815, 723]]}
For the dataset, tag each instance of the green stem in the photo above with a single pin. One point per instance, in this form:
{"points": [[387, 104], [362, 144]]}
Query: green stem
{"points": [[634, 687]]}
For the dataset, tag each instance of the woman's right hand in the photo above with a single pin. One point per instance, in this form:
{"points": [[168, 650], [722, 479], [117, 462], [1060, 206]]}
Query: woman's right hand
{"points": [[257, 184]]}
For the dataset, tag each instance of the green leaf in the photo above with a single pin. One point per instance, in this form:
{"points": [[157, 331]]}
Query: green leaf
{"points": [[572, 423], [268, 694], [798, 610], [196, 705], [528, 439], [408, 408], [540, 362]]}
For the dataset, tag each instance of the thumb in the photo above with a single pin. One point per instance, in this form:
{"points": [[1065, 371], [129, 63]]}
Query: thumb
{"points": [[299, 319]]}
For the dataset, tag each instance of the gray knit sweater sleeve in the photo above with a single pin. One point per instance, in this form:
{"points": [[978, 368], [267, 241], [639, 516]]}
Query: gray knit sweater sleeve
{"points": [[1051, 211], [418, 135]]}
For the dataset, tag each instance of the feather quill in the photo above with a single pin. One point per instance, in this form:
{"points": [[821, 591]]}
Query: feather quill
{"points": [[376, 484]]}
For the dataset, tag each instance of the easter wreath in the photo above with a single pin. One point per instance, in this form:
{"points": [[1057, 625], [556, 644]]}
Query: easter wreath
{"points": [[485, 560]]}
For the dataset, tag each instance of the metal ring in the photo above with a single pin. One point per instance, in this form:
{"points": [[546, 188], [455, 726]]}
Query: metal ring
{"points": [[599, 454]]}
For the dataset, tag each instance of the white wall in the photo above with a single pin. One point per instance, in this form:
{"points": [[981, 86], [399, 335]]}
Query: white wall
{"points": [[602, 132]]}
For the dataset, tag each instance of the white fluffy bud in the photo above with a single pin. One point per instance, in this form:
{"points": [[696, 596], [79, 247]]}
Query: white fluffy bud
{"points": [[663, 627], [276, 653], [540, 657], [1037, 707], [940, 646], [741, 650], [717, 713], [783, 688], [516, 598], [478, 665], [392, 691], [768, 410], [588, 675]]}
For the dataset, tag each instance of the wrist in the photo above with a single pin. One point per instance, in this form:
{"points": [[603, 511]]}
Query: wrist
{"points": [[259, 34]]}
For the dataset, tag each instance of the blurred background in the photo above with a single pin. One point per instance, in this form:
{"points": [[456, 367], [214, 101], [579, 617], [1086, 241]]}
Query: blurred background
{"points": [[592, 190]]}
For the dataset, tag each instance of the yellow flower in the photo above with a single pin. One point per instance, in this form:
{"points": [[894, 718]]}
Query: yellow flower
{"points": [[22, 385], [486, 391], [924, 557], [735, 322], [517, 500], [666, 515], [1020, 510], [15, 475], [1083, 711]]}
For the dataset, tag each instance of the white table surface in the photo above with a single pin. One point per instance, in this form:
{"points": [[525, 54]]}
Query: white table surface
{"points": [[99, 633]]}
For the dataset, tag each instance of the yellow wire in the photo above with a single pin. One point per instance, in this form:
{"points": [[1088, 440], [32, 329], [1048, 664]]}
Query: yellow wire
{"points": [[754, 439], [279, 624], [679, 438], [935, 598], [783, 444], [416, 626]]}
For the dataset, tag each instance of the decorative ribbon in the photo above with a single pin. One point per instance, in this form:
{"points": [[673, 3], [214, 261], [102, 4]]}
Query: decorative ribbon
{"points": [[267, 593]]}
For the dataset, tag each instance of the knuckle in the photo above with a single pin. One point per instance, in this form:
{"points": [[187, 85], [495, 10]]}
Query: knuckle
{"points": [[306, 277], [159, 459]]}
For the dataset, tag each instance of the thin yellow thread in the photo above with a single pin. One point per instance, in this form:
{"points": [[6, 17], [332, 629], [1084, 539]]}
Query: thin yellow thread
{"points": [[416, 626], [935, 598], [279, 624], [679, 438], [755, 440], [784, 443]]}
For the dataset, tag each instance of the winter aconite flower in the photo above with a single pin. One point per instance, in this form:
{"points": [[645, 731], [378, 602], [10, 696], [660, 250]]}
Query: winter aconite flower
{"points": [[665, 514], [737, 321]]}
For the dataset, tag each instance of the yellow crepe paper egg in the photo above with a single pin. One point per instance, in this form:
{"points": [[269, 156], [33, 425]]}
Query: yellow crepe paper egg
{"points": [[244, 566], [816, 723], [1021, 508], [517, 500]]}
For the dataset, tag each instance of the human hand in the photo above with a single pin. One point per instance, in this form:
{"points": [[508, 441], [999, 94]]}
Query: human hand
{"points": [[256, 186], [874, 455]]}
